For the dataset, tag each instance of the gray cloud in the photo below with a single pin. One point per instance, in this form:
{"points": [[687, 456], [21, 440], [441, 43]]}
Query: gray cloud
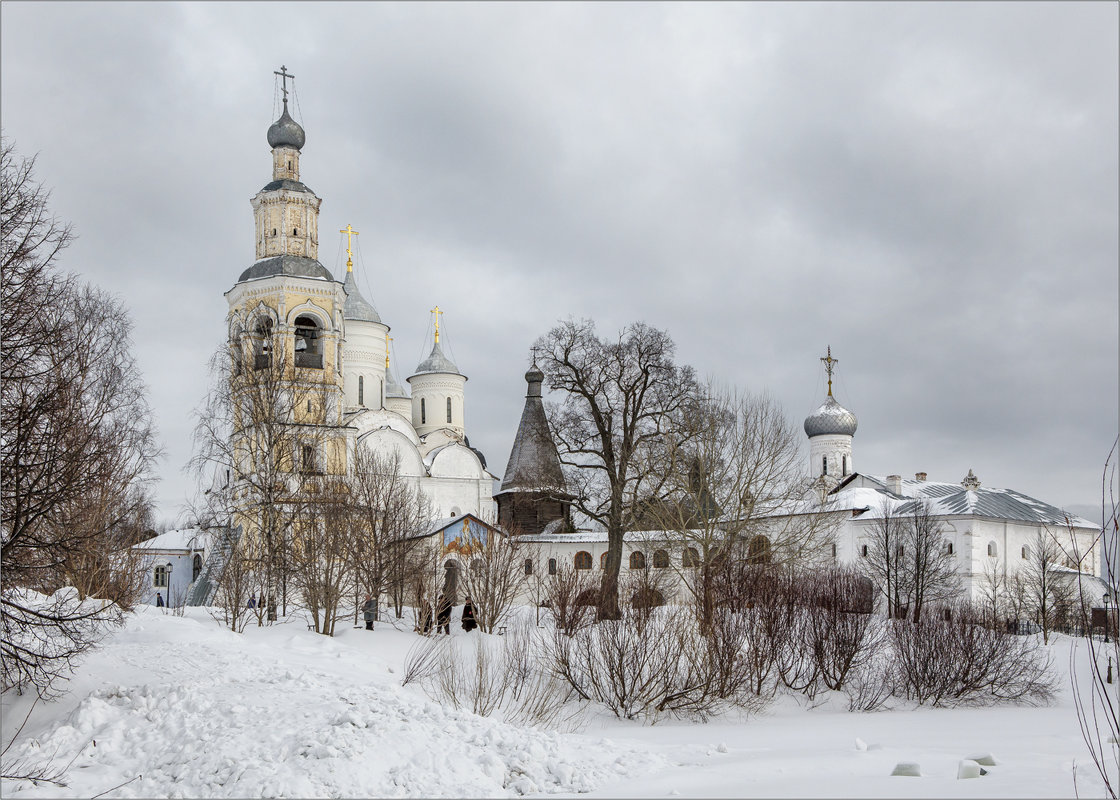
{"points": [[931, 188]]}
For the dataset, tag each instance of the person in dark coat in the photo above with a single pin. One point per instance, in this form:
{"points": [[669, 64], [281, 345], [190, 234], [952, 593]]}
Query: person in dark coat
{"points": [[469, 622], [369, 611], [443, 615]]}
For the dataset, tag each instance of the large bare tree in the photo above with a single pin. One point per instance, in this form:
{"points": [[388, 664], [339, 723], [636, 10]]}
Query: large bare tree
{"points": [[78, 442], [265, 438], [386, 512], [620, 400], [732, 478]]}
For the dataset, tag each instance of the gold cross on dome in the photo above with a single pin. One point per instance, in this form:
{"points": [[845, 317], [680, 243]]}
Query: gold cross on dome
{"points": [[350, 233], [437, 312], [828, 367]]}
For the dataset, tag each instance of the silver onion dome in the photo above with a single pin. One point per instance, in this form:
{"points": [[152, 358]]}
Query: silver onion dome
{"points": [[830, 419], [286, 132], [437, 362]]}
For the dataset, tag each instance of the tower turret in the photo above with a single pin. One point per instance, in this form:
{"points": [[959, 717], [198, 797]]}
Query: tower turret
{"points": [[364, 353], [438, 392], [830, 430], [533, 494]]}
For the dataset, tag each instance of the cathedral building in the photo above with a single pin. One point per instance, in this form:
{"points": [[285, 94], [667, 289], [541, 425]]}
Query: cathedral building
{"points": [[334, 346]]}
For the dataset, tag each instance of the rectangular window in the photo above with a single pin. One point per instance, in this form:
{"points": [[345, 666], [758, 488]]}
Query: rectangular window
{"points": [[824, 465], [449, 409], [161, 577], [361, 391], [528, 566]]}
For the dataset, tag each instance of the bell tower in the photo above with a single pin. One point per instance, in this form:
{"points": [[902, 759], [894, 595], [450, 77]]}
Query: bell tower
{"points": [[286, 313], [286, 210]]}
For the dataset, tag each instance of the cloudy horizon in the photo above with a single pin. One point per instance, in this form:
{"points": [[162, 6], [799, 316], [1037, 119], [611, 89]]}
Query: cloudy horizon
{"points": [[930, 189]]}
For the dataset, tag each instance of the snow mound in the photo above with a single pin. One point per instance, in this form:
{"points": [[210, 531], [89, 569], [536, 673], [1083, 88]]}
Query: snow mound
{"points": [[258, 727]]}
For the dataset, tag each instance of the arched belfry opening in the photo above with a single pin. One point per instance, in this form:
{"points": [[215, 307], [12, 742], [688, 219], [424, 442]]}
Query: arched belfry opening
{"points": [[262, 343], [309, 352]]}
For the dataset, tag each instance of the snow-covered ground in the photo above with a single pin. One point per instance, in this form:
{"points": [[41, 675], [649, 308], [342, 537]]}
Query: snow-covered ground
{"points": [[179, 707]]}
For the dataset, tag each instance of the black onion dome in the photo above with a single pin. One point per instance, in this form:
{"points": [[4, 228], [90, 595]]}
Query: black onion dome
{"points": [[830, 419], [286, 132]]}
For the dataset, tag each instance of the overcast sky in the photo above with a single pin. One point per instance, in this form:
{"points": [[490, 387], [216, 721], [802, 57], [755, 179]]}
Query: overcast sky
{"points": [[931, 189]]}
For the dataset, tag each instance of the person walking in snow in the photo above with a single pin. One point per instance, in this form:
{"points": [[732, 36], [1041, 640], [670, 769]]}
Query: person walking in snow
{"points": [[252, 602], [469, 622], [369, 611], [443, 615]]}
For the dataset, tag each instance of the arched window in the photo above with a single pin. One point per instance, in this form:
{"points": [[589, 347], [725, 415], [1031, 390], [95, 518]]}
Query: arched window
{"points": [[1025, 552], [690, 558], [992, 551], [660, 559], [449, 409], [196, 567], [423, 412], [824, 465], [637, 560], [949, 548], [863, 551], [758, 551], [552, 566], [361, 390], [845, 466], [528, 566], [262, 344], [603, 561], [834, 549], [308, 351], [583, 560]]}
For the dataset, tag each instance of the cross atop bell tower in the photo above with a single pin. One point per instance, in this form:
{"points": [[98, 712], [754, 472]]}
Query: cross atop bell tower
{"points": [[284, 75]]}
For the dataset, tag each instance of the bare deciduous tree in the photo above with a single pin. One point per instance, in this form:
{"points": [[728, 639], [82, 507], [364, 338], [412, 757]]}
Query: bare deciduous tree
{"points": [[386, 512], [494, 576], [1047, 592], [77, 443], [732, 478], [620, 400], [909, 559], [267, 433]]}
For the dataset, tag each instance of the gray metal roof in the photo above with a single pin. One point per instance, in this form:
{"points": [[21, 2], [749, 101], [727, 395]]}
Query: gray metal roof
{"points": [[830, 418], [533, 463], [286, 132], [356, 306], [296, 266], [437, 362], [951, 499], [287, 183], [392, 388]]}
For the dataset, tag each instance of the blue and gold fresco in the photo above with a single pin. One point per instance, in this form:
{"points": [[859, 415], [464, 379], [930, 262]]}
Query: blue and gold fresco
{"points": [[464, 536]]}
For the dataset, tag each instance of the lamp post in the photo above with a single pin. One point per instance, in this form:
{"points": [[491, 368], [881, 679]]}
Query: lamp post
{"points": [[1107, 618], [170, 566]]}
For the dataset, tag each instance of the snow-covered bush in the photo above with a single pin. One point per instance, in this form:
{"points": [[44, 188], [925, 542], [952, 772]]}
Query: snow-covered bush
{"points": [[502, 676], [43, 635], [952, 658], [648, 665]]}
